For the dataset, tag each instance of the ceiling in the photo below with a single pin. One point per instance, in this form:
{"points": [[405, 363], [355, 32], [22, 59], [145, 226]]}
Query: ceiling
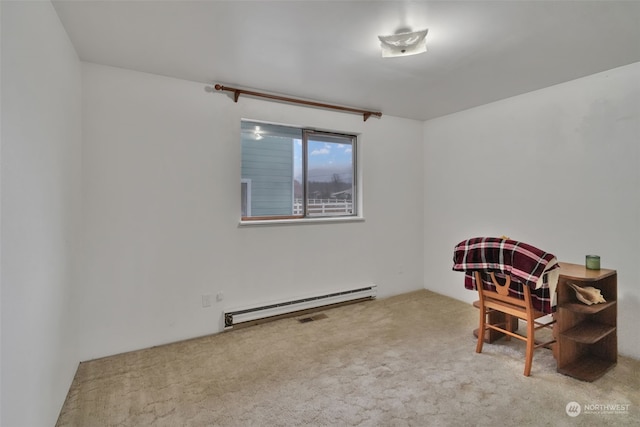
{"points": [[328, 51]]}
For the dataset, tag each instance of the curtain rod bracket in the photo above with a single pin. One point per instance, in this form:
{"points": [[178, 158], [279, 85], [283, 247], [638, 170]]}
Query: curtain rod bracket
{"points": [[236, 94]]}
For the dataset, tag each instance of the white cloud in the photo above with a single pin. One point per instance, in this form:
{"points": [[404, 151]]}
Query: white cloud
{"points": [[320, 151]]}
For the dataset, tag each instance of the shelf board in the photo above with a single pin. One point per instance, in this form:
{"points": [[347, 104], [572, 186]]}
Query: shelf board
{"points": [[578, 307], [587, 368], [588, 332]]}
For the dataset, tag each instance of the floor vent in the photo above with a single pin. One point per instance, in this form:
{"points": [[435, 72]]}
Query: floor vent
{"points": [[312, 318]]}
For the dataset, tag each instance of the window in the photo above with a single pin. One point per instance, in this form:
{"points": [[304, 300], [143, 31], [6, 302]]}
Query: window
{"points": [[289, 172]]}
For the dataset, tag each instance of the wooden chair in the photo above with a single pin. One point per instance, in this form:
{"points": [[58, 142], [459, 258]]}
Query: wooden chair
{"points": [[499, 300]]}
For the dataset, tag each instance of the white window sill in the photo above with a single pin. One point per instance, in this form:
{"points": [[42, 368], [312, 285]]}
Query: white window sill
{"points": [[301, 221]]}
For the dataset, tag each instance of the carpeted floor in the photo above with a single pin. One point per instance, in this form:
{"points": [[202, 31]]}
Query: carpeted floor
{"points": [[407, 360]]}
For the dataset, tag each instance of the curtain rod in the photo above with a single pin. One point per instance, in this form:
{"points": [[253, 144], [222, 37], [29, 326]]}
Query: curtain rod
{"points": [[236, 94]]}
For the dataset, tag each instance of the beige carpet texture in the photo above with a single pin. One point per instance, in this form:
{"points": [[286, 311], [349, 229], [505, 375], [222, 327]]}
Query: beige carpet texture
{"points": [[407, 360]]}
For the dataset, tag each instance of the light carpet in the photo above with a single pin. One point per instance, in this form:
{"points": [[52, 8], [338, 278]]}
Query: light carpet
{"points": [[407, 360]]}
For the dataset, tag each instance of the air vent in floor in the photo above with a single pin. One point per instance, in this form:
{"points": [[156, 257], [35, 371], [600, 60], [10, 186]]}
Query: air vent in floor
{"points": [[312, 318]]}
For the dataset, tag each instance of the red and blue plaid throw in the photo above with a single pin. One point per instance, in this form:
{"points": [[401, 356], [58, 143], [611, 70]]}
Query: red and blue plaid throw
{"points": [[525, 264]]}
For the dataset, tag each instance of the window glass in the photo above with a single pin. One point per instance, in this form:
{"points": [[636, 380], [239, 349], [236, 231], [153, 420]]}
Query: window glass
{"points": [[330, 178], [268, 163], [289, 172]]}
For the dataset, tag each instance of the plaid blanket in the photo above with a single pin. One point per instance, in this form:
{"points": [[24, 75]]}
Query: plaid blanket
{"points": [[526, 264]]}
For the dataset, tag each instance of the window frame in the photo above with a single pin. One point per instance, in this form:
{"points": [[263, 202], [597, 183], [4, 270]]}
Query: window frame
{"points": [[306, 135], [247, 194], [307, 216]]}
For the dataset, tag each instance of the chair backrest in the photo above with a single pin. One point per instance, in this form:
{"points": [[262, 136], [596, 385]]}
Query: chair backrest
{"points": [[500, 300]]}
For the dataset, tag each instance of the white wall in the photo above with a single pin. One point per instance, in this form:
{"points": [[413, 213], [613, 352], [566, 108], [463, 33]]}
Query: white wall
{"points": [[161, 201], [558, 168], [41, 175]]}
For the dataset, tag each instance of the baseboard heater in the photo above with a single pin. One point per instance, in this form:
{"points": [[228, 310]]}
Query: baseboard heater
{"points": [[236, 317]]}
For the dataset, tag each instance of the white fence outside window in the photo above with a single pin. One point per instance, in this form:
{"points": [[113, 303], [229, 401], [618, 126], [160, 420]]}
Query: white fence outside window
{"points": [[324, 207]]}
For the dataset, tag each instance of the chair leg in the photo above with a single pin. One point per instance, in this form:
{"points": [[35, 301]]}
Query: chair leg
{"points": [[481, 329], [530, 348], [508, 321]]}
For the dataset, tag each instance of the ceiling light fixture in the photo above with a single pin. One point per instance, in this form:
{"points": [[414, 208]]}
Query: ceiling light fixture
{"points": [[403, 43]]}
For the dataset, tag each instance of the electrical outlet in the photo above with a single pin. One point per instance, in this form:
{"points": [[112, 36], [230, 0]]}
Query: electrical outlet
{"points": [[206, 301], [219, 296]]}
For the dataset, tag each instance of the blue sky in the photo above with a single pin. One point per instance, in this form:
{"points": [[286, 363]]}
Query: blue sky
{"points": [[325, 159]]}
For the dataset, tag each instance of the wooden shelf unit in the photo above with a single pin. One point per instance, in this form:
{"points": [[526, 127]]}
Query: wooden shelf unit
{"points": [[586, 334]]}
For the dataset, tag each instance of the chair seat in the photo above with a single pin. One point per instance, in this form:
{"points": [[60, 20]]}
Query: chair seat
{"points": [[513, 310]]}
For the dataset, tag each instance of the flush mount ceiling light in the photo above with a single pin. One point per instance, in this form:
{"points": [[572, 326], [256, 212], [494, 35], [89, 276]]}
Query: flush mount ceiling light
{"points": [[403, 43]]}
